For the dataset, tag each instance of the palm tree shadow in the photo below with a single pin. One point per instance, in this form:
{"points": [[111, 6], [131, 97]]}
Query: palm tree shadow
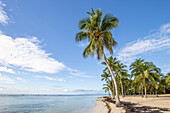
{"points": [[132, 108], [163, 96]]}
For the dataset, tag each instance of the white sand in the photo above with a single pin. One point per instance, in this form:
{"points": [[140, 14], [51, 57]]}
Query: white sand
{"points": [[115, 109], [163, 101], [100, 107]]}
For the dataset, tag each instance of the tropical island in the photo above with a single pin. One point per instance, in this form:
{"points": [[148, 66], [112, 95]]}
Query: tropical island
{"points": [[115, 60], [144, 82]]}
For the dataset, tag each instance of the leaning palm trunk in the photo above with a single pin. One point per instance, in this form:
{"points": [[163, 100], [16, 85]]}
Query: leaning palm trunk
{"points": [[113, 92], [109, 93], [121, 87], [116, 88]]}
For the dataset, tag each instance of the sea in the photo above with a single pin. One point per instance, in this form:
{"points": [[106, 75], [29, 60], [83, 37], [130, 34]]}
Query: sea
{"points": [[48, 103]]}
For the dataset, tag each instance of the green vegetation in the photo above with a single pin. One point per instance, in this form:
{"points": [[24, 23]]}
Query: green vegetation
{"points": [[98, 32], [144, 77]]}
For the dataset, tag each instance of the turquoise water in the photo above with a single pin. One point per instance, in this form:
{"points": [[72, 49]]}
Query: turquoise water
{"points": [[47, 103]]}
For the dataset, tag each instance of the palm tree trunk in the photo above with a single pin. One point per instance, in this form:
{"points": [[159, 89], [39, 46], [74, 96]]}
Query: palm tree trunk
{"points": [[113, 92], [121, 87], [134, 91], [156, 93], [109, 93], [142, 90], [145, 92], [115, 83], [144, 82]]}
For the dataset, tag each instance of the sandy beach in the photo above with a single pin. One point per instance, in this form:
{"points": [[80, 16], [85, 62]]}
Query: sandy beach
{"points": [[135, 104], [100, 107]]}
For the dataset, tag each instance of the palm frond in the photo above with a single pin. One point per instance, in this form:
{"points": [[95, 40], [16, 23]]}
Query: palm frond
{"points": [[82, 36], [109, 22]]}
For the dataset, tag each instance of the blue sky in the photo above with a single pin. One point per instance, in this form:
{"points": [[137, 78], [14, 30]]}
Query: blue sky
{"points": [[38, 52]]}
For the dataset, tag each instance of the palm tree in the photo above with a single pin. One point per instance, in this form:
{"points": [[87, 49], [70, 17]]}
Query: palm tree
{"points": [[146, 72], [157, 79], [128, 86], [112, 62], [121, 71], [151, 73], [167, 81], [136, 70], [106, 88], [164, 85], [105, 76], [98, 33], [134, 85]]}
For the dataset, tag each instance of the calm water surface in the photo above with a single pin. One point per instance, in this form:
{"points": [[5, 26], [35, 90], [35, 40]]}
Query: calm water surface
{"points": [[47, 103]]}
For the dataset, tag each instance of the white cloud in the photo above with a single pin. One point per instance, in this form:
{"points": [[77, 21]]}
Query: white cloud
{"points": [[77, 73], [5, 69], [83, 44], [6, 79], [60, 79], [20, 79], [167, 70], [3, 16], [26, 54], [83, 91], [154, 42], [50, 78], [80, 74], [165, 67], [56, 79]]}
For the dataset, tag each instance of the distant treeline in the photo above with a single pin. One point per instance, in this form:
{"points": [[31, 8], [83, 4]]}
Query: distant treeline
{"points": [[144, 78]]}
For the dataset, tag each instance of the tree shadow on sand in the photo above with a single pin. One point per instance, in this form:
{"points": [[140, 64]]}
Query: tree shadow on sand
{"points": [[132, 108]]}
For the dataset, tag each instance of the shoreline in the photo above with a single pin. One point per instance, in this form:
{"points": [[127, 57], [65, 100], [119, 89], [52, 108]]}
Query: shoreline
{"points": [[104, 106], [100, 106], [134, 104]]}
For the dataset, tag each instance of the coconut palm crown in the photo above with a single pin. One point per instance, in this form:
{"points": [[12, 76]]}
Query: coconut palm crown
{"points": [[98, 33]]}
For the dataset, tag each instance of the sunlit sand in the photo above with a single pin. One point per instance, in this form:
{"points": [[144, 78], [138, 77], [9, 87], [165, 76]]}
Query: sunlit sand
{"points": [[134, 104]]}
